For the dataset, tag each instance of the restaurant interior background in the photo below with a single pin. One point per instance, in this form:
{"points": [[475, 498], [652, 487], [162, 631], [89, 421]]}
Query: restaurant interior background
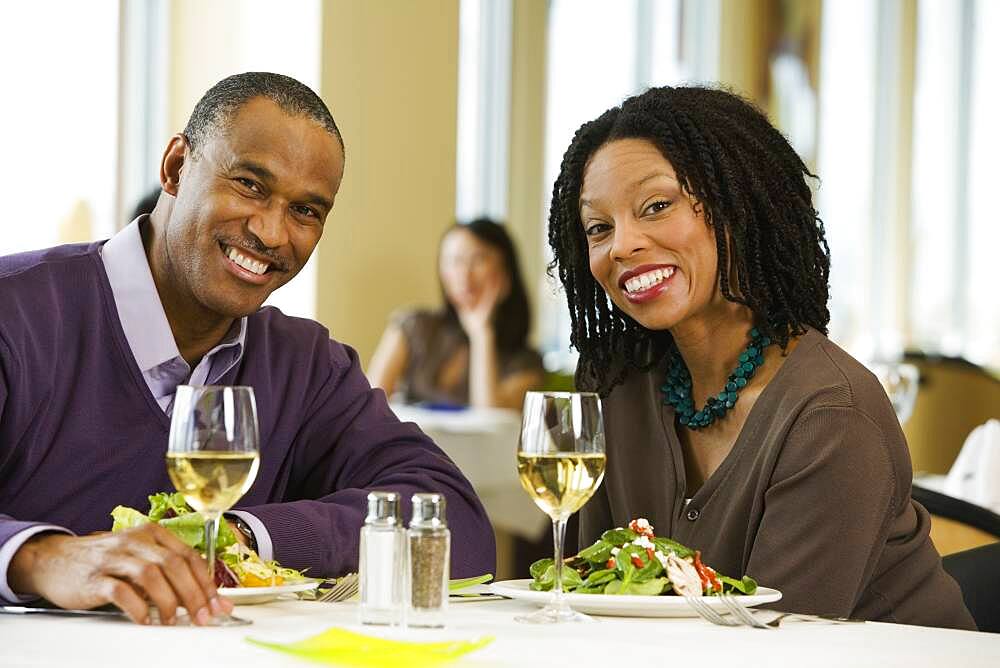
{"points": [[457, 108]]}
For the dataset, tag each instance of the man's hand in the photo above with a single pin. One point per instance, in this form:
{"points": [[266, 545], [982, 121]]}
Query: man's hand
{"points": [[131, 569]]}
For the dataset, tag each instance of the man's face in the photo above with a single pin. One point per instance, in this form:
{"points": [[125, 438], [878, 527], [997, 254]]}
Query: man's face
{"points": [[250, 208]]}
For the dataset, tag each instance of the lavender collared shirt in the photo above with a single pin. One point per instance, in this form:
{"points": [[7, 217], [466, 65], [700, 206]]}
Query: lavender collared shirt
{"points": [[152, 344]]}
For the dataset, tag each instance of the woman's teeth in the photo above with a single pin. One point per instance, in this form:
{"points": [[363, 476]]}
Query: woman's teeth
{"points": [[648, 280], [245, 262]]}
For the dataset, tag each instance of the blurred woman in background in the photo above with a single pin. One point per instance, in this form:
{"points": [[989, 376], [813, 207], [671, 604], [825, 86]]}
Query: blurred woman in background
{"points": [[697, 271], [474, 350]]}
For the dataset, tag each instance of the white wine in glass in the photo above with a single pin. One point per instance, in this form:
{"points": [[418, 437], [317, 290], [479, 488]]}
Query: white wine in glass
{"points": [[213, 454], [560, 462], [560, 483], [212, 482]]}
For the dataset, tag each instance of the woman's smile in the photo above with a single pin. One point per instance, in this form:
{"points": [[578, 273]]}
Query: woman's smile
{"points": [[646, 283]]}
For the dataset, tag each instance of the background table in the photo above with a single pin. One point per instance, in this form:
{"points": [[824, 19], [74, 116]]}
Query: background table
{"points": [[483, 443], [58, 641]]}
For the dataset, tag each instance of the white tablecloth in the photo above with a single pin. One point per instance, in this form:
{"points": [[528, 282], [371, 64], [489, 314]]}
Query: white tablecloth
{"points": [[483, 443], [61, 641]]}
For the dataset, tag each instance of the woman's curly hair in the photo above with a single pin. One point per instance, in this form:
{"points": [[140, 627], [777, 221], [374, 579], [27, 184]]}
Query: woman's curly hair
{"points": [[751, 187]]}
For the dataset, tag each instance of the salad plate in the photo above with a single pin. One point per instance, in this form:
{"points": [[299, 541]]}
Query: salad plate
{"points": [[253, 595], [626, 605]]}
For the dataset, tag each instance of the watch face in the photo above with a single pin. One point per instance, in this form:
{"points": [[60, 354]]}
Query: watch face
{"points": [[244, 529]]}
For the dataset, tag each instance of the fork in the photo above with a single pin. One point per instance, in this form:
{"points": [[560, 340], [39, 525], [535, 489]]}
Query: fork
{"points": [[741, 613], [706, 612], [745, 615], [344, 588]]}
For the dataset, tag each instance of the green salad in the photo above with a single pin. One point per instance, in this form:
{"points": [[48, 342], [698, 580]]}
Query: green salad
{"points": [[635, 561], [236, 565]]}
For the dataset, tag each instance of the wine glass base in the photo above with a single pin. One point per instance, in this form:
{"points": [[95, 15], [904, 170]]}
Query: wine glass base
{"points": [[554, 615], [183, 619]]}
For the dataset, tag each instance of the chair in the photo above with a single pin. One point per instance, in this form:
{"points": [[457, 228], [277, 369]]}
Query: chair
{"points": [[977, 572], [955, 397], [957, 525]]}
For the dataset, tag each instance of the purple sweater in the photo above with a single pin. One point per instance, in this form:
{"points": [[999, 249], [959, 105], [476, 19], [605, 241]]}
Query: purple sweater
{"points": [[80, 432]]}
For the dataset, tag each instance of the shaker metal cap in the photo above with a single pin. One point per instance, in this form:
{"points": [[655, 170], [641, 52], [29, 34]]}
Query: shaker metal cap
{"points": [[383, 508], [428, 509]]}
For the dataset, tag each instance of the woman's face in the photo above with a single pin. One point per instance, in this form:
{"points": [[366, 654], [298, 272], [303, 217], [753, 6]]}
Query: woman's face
{"points": [[470, 269], [649, 246]]}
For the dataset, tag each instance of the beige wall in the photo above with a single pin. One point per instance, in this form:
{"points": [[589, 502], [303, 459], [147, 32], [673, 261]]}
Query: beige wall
{"points": [[526, 194], [743, 47], [390, 76], [211, 39]]}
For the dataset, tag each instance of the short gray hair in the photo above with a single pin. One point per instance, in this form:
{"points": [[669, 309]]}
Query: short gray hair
{"points": [[216, 107]]}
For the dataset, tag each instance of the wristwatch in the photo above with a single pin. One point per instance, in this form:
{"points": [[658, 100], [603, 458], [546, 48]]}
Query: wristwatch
{"points": [[244, 529]]}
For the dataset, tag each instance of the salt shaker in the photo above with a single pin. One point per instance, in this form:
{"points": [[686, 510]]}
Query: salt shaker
{"points": [[381, 561], [428, 550]]}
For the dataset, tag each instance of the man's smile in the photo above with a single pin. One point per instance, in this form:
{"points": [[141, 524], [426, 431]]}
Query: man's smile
{"points": [[244, 266]]}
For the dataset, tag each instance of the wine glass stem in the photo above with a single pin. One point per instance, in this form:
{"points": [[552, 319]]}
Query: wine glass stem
{"points": [[559, 539], [211, 534]]}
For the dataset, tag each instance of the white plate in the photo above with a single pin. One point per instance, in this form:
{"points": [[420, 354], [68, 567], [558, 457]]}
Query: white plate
{"points": [[251, 595], [626, 606]]}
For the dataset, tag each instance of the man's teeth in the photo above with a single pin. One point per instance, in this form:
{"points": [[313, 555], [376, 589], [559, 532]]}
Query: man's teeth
{"points": [[245, 262], [648, 280]]}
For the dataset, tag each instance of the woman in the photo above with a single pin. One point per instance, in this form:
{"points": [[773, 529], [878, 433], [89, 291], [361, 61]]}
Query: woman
{"points": [[697, 271], [474, 350]]}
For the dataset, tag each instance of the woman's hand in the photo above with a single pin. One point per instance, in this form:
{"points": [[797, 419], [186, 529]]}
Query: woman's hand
{"points": [[133, 568], [478, 318]]}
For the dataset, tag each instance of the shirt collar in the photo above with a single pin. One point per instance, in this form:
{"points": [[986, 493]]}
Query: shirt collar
{"points": [[139, 307]]}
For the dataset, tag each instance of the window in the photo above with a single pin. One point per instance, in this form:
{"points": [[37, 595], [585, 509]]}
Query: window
{"points": [[908, 212], [845, 166], [955, 144], [600, 53], [483, 109], [982, 306], [60, 115]]}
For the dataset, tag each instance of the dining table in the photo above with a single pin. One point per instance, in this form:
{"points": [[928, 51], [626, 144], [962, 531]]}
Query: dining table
{"points": [[44, 640]]}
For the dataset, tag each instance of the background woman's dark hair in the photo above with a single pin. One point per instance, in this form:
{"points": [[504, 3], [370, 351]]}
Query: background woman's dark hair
{"points": [[147, 203], [513, 315], [752, 189]]}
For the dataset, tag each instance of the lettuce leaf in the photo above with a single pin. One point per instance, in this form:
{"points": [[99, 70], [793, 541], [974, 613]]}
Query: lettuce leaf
{"points": [[746, 586], [161, 504], [653, 587], [619, 537], [126, 518], [546, 580], [666, 546], [184, 523]]}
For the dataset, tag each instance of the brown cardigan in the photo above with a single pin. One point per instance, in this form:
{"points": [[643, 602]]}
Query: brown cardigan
{"points": [[813, 499], [432, 341]]}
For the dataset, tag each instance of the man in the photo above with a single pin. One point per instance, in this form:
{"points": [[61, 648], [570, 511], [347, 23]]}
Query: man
{"points": [[94, 338]]}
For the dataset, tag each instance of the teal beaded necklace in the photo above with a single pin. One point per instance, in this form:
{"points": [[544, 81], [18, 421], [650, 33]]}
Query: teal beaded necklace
{"points": [[677, 388]]}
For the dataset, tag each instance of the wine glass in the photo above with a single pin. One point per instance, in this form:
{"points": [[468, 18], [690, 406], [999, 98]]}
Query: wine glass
{"points": [[213, 454], [900, 381], [560, 461]]}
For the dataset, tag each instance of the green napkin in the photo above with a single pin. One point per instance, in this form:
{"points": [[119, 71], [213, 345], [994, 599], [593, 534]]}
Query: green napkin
{"points": [[462, 583], [340, 647]]}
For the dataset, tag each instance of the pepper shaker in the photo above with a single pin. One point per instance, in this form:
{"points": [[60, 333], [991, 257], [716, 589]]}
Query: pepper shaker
{"points": [[428, 551], [381, 561]]}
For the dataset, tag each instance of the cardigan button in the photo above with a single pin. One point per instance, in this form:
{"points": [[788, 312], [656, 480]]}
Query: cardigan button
{"points": [[693, 514]]}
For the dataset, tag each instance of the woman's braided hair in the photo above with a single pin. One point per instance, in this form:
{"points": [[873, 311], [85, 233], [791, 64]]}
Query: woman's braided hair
{"points": [[752, 189]]}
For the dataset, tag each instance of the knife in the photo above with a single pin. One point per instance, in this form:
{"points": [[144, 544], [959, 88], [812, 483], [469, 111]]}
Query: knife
{"points": [[154, 617], [24, 610]]}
